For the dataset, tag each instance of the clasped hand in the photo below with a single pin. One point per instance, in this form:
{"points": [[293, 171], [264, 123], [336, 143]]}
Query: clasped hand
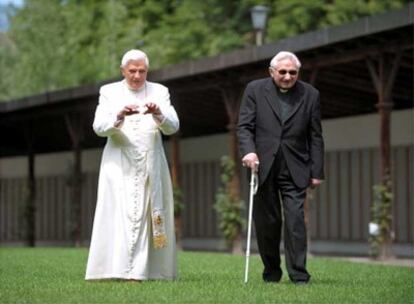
{"points": [[148, 108]]}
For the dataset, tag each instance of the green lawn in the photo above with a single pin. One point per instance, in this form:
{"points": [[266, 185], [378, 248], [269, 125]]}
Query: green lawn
{"points": [[55, 275]]}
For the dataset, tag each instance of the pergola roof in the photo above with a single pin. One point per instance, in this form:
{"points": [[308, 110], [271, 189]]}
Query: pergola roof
{"points": [[333, 59]]}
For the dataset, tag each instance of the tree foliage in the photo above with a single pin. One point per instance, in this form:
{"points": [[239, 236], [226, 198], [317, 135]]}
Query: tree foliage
{"points": [[296, 16], [53, 44], [381, 216]]}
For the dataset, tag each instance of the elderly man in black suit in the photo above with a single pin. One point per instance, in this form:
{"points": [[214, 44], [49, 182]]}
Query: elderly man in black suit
{"points": [[280, 135]]}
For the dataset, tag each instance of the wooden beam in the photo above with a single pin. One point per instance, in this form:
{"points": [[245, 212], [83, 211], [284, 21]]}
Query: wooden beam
{"points": [[340, 79], [392, 75], [356, 55]]}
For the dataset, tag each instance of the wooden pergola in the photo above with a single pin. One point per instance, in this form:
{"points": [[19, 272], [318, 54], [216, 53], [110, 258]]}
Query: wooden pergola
{"points": [[359, 68]]}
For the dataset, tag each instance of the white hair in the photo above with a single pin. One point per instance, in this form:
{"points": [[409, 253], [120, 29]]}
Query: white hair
{"points": [[282, 56], [134, 55]]}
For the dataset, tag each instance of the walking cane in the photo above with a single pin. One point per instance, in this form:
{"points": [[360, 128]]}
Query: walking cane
{"points": [[253, 189]]}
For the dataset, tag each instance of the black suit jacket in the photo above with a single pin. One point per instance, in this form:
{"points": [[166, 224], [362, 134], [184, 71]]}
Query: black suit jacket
{"points": [[260, 130]]}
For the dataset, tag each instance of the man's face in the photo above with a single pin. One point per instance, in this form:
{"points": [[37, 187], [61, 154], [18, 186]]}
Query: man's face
{"points": [[285, 74], [135, 73]]}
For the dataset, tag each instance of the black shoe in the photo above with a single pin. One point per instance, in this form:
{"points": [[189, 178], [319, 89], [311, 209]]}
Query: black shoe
{"points": [[272, 278]]}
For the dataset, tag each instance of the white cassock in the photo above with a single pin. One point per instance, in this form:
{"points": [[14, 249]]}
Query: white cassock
{"points": [[133, 231]]}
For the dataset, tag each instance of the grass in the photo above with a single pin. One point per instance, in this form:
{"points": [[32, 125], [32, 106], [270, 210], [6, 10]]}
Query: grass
{"points": [[55, 275]]}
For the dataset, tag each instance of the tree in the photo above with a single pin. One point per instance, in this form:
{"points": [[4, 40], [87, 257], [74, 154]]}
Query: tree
{"points": [[55, 44], [7, 54], [292, 17], [38, 33], [197, 29], [63, 44]]}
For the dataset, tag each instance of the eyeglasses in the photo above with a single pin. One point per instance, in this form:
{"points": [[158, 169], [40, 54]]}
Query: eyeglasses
{"points": [[291, 72]]}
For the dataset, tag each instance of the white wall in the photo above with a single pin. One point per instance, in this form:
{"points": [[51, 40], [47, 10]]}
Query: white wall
{"points": [[340, 134], [205, 148], [364, 131]]}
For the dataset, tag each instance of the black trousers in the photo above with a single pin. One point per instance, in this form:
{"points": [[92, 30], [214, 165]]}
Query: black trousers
{"points": [[267, 215]]}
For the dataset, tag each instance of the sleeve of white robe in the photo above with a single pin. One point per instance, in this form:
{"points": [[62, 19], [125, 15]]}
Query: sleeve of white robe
{"points": [[168, 121], [105, 116]]}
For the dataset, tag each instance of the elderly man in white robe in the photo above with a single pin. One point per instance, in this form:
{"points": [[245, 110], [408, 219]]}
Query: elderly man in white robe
{"points": [[133, 232]]}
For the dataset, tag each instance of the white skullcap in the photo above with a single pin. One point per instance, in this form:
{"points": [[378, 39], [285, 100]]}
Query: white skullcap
{"points": [[134, 55]]}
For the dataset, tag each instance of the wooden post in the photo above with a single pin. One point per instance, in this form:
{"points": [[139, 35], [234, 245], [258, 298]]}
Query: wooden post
{"points": [[232, 103], [383, 76], [175, 177], [175, 160], [74, 125], [231, 99], [309, 191], [30, 207]]}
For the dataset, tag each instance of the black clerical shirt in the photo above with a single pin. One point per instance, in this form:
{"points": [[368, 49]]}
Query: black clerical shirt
{"points": [[286, 104]]}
